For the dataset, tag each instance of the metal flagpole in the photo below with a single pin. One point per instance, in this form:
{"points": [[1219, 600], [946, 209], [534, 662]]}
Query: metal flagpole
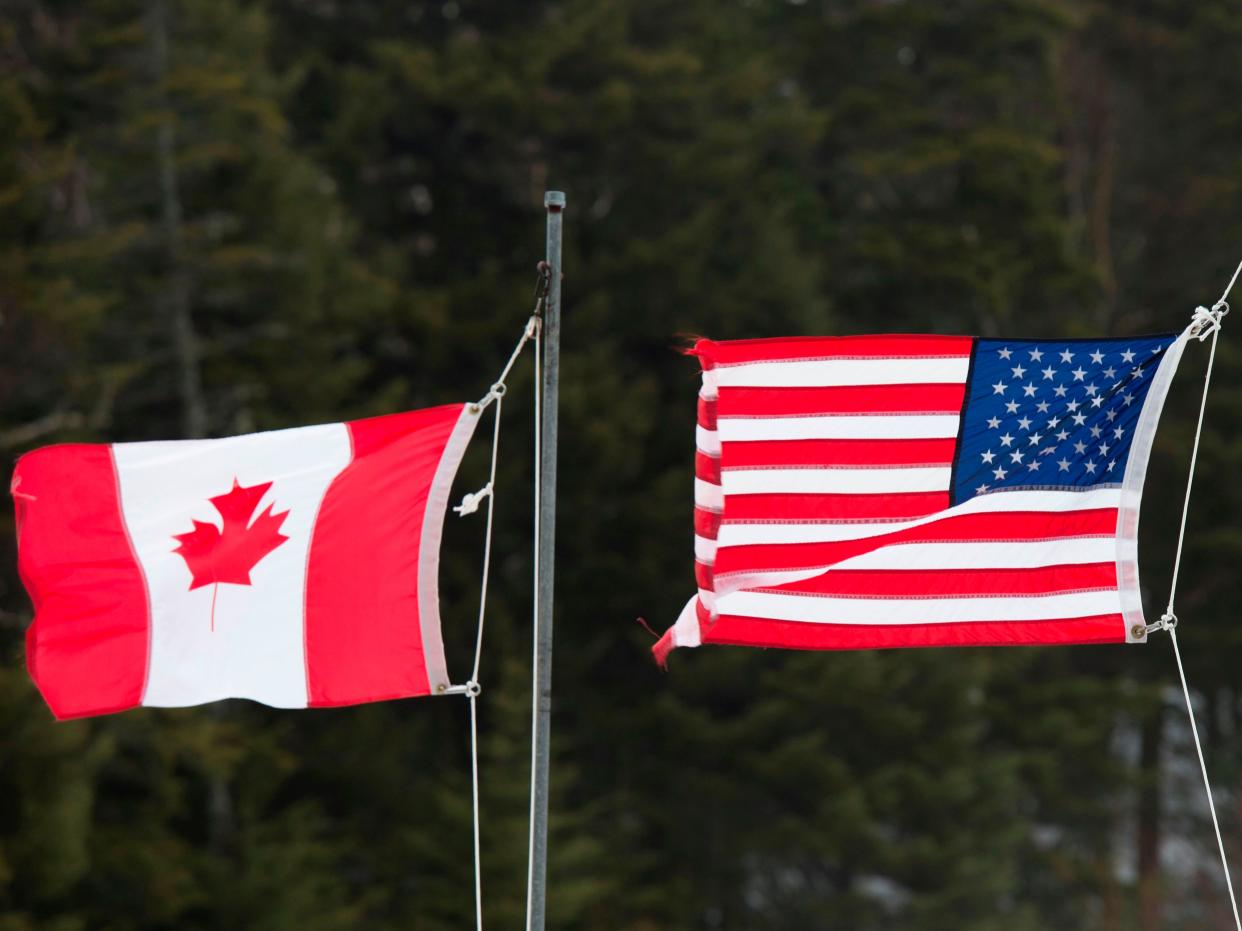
{"points": [[554, 202]]}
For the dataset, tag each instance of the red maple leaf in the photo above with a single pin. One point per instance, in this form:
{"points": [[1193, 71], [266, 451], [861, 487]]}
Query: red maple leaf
{"points": [[228, 553]]}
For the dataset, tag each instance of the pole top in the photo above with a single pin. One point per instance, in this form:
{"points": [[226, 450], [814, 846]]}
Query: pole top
{"points": [[554, 200]]}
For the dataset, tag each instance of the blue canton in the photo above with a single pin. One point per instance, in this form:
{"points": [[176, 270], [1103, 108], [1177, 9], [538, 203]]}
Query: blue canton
{"points": [[1052, 413]]}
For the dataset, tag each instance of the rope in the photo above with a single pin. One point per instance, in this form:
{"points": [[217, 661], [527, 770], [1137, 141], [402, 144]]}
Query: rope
{"points": [[1207, 785], [1205, 323], [473, 695], [534, 659], [469, 504]]}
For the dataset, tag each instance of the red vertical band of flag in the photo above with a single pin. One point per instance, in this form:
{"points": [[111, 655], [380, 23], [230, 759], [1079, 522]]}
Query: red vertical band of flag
{"points": [[87, 647], [363, 637]]}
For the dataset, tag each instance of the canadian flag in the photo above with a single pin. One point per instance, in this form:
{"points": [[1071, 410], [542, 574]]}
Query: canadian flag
{"points": [[297, 568]]}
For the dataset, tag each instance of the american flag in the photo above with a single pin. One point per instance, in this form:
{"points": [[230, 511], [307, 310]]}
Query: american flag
{"points": [[885, 491]]}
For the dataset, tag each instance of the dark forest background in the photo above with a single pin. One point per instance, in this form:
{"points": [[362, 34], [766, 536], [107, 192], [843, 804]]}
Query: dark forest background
{"points": [[219, 216]]}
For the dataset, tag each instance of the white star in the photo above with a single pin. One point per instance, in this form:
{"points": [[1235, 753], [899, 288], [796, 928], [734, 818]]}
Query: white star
{"points": [[1053, 422], [1079, 373], [1097, 357], [1011, 407], [1028, 390], [1025, 423], [1006, 440], [1096, 431], [1066, 355], [1091, 468], [1005, 353], [1111, 464], [1079, 419], [1111, 415], [981, 489], [1033, 465], [1049, 373], [1042, 407], [1062, 435], [1118, 433], [1071, 406], [1035, 439], [1157, 349], [1128, 398], [988, 456], [1136, 373], [1097, 400], [1016, 455], [1091, 389], [1110, 372], [1036, 355], [999, 473], [1018, 371], [1060, 390], [998, 388], [1127, 356], [994, 422], [1080, 447], [1103, 449], [1047, 450], [1062, 465]]}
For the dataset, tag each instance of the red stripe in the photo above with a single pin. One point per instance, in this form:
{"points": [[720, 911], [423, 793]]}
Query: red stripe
{"points": [[87, 648], [1001, 527], [707, 413], [777, 507], [750, 631], [706, 523], [737, 455], [912, 583], [706, 467], [734, 352], [870, 399], [363, 635], [704, 577]]}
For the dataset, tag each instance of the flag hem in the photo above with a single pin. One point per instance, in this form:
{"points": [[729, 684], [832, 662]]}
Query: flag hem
{"points": [[429, 549], [1129, 507]]}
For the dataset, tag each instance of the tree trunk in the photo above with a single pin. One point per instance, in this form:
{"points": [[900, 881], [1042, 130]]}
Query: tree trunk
{"points": [[176, 302], [176, 298]]}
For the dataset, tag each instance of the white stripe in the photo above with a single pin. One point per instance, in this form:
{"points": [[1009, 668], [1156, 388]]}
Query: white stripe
{"points": [[839, 427], [704, 550], [257, 649], [707, 441], [708, 495], [1032, 554], [813, 609], [828, 532], [837, 481], [707, 391], [817, 373], [686, 630]]}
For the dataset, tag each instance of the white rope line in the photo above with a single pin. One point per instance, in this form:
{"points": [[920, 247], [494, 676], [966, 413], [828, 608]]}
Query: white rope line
{"points": [[469, 504], [473, 695], [1207, 784], [498, 389], [487, 535], [1205, 323], [534, 658]]}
